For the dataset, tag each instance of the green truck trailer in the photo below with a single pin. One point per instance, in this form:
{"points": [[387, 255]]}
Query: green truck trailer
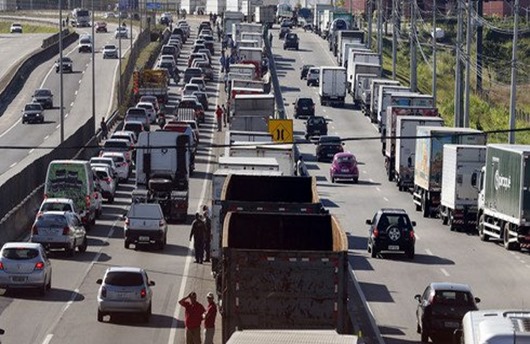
{"points": [[504, 198]]}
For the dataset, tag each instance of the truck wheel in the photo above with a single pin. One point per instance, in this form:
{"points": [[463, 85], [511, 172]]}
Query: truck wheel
{"points": [[510, 246], [126, 244], [389, 174], [373, 252], [425, 207], [483, 236], [450, 221]]}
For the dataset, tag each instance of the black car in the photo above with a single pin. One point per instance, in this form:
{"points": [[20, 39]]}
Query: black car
{"points": [[391, 230], [304, 70], [441, 308], [315, 126], [327, 147], [304, 107], [284, 31], [291, 41]]}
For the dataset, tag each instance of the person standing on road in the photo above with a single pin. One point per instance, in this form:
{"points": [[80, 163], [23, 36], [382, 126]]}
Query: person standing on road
{"points": [[222, 60], [192, 318], [207, 232], [104, 129], [270, 38], [218, 33], [225, 113], [197, 233], [219, 115], [209, 319]]}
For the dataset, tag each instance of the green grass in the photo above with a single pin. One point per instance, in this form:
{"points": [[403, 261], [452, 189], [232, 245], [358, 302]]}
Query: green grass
{"points": [[29, 28]]}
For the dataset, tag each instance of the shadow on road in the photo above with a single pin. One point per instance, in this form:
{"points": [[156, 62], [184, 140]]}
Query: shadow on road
{"points": [[376, 292], [53, 295], [156, 320]]}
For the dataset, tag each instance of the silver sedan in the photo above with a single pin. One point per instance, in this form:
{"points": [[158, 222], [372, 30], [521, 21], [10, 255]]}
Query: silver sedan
{"points": [[25, 265]]}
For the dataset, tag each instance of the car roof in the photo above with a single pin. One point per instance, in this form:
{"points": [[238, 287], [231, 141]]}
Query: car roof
{"points": [[122, 154], [124, 269], [21, 244], [393, 211], [133, 122], [341, 154], [117, 140], [450, 286], [104, 168], [58, 200], [54, 212]]}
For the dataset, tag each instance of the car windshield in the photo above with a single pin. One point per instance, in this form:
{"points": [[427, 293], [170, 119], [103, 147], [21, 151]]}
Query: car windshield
{"points": [[55, 206], [133, 126], [330, 139], [136, 112], [20, 253], [41, 93], [399, 220], [110, 47], [124, 279], [145, 106], [291, 36], [85, 41], [116, 144], [317, 120], [187, 104], [52, 220], [305, 102], [452, 297], [33, 107], [102, 174], [346, 159]]}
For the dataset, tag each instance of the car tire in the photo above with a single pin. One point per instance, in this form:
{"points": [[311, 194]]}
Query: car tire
{"points": [[49, 284], [333, 179], [100, 316], [70, 252], [82, 248], [42, 120], [111, 199], [43, 289], [147, 315], [424, 336], [373, 252], [23, 122], [126, 244], [425, 207], [355, 180]]}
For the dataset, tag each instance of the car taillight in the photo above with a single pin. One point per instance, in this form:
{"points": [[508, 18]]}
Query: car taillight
{"points": [[411, 234], [34, 230], [87, 201], [103, 292], [108, 180], [66, 230], [39, 266], [376, 232], [1, 266], [161, 223], [143, 293], [126, 221]]}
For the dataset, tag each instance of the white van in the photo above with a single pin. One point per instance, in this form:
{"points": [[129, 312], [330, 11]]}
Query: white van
{"points": [[495, 327], [73, 179]]}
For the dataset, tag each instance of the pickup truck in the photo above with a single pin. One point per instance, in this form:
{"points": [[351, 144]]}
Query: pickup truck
{"points": [[145, 224]]}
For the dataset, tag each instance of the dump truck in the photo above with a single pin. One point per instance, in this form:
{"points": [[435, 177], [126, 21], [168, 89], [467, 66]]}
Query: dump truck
{"points": [[151, 82], [389, 147], [406, 147], [283, 271], [504, 198], [429, 161], [461, 163]]}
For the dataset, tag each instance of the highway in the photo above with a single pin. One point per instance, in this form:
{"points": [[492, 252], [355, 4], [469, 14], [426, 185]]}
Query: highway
{"points": [[67, 314], [500, 278], [14, 48], [77, 99]]}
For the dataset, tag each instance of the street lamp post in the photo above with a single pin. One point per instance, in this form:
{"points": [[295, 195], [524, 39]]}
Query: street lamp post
{"points": [[61, 93], [93, 69]]}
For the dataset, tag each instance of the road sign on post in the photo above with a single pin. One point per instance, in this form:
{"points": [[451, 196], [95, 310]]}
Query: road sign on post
{"points": [[153, 6], [281, 130]]}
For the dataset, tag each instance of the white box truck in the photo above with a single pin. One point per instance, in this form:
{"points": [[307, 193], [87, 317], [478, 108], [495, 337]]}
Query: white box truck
{"points": [[374, 93], [332, 86]]}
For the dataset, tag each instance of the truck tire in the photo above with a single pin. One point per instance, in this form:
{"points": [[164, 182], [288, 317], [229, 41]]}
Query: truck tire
{"points": [[510, 246], [483, 236], [450, 221], [425, 206], [126, 244]]}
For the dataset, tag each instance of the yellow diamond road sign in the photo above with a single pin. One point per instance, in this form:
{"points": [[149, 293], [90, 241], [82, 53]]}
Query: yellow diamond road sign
{"points": [[281, 130]]}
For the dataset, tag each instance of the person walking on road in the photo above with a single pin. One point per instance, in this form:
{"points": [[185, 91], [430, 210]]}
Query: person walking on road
{"points": [[104, 129], [219, 115], [198, 229], [225, 113], [209, 319], [207, 232], [192, 318]]}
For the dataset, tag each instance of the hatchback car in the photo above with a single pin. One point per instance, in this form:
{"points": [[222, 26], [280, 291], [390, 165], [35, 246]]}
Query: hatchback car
{"points": [[199, 81], [121, 32], [153, 100], [188, 89], [119, 145], [291, 41], [123, 168], [192, 72], [16, 28], [107, 183], [327, 147], [101, 27], [304, 70], [441, 308], [43, 96], [66, 64], [203, 99], [105, 162], [207, 70], [313, 76], [316, 126], [125, 290], [33, 113], [391, 230], [149, 110], [304, 107], [135, 126], [59, 230], [25, 265], [56, 204], [344, 167], [110, 51]]}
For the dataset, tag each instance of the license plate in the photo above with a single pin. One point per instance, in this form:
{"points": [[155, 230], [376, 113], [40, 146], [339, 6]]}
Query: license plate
{"points": [[330, 154], [304, 108], [345, 170], [452, 324], [19, 279], [143, 238], [393, 247], [317, 131]]}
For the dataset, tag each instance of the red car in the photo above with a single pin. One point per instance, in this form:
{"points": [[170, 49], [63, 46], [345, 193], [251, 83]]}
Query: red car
{"points": [[101, 27], [344, 166]]}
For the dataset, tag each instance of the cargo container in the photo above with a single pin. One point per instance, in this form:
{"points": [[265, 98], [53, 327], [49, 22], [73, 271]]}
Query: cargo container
{"points": [[347, 48], [383, 101], [361, 68], [265, 15], [215, 6], [504, 198], [429, 161], [343, 37], [401, 99], [291, 337], [332, 86]]}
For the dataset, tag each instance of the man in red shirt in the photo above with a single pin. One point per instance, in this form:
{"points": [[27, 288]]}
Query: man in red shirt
{"points": [[192, 318], [209, 319], [219, 115]]}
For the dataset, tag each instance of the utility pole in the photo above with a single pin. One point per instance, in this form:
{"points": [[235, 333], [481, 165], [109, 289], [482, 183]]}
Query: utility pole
{"points": [[412, 36], [434, 51], [379, 27], [394, 37], [61, 83], [369, 23], [465, 121], [480, 12], [458, 67], [513, 90]]}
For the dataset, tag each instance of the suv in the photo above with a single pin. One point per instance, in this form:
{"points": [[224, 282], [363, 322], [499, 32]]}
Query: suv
{"points": [[43, 96], [110, 51], [327, 147], [313, 76], [33, 112], [66, 64], [304, 107], [121, 32], [291, 41], [101, 27], [316, 126], [85, 44], [441, 308], [391, 230]]}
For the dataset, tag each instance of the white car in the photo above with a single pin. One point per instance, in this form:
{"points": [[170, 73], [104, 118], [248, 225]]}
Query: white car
{"points": [[85, 44], [166, 58], [188, 89], [16, 28], [123, 169], [149, 109], [56, 204], [121, 32], [107, 183], [125, 134], [110, 51], [199, 81], [104, 161]]}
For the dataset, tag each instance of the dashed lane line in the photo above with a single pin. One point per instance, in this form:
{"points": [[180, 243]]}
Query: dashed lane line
{"points": [[445, 272]]}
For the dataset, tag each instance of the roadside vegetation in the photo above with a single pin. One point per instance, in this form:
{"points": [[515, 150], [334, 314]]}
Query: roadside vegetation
{"points": [[488, 110], [5, 26]]}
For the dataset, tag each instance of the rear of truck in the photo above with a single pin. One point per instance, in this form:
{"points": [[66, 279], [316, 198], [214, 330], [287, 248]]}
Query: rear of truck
{"points": [[151, 82], [284, 271], [332, 86]]}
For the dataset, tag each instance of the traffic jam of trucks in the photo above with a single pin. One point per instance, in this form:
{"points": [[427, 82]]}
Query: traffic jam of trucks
{"points": [[279, 258]]}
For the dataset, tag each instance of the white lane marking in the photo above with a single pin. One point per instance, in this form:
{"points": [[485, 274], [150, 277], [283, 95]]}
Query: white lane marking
{"points": [[46, 137], [10, 128], [31, 150], [178, 308], [386, 199], [363, 172], [58, 126], [65, 115], [13, 165], [48, 339], [428, 252], [444, 272], [377, 187], [71, 104], [416, 235], [81, 79], [371, 180], [76, 92]]}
